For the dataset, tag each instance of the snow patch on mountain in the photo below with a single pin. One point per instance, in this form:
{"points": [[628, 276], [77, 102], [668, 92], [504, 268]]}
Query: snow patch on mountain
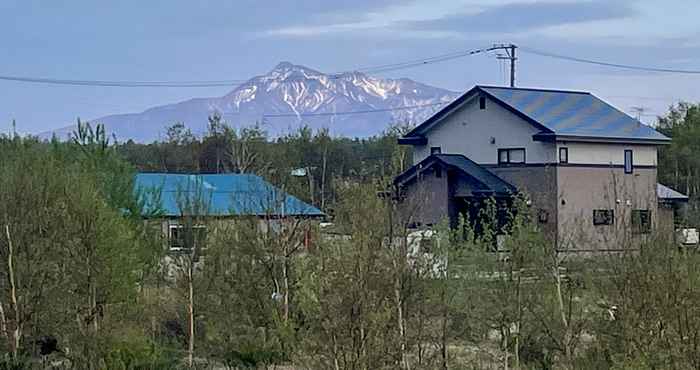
{"points": [[287, 97]]}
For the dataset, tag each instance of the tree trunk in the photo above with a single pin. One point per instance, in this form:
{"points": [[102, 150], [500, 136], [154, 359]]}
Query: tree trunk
{"points": [[16, 332], [285, 281], [323, 178], [399, 313], [311, 185], [564, 320], [516, 351], [190, 315]]}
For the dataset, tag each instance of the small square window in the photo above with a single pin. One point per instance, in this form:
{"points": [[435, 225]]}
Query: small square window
{"points": [[563, 155], [629, 161], [603, 217], [641, 221], [435, 150], [482, 102]]}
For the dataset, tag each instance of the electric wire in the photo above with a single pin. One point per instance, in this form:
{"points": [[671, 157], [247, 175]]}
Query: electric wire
{"points": [[405, 107], [218, 83], [606, 64]]}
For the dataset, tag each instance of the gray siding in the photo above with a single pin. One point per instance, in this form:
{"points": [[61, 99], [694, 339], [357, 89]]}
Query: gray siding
{"points": [[469, 130], [583, 189]]}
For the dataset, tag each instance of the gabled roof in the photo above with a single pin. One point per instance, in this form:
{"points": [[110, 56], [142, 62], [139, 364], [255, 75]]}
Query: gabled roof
{"points": [[220, 194], [666, 194], [573, 115], [487, 181]]}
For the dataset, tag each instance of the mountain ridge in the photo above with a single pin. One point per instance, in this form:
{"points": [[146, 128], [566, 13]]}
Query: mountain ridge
{"points": [[289, 96]]}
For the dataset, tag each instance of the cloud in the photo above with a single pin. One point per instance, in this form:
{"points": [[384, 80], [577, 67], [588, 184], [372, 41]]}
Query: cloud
{"points": [[521, 17], [457, 18]]}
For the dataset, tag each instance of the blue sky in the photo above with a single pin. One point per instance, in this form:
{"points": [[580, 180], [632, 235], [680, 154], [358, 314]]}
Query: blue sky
{"points": [[228, 40]]}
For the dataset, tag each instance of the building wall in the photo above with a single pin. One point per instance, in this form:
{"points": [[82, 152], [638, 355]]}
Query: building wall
{"points": [[469, 130], [583, 189], [427, 199], [539, 183], [606, 153]]}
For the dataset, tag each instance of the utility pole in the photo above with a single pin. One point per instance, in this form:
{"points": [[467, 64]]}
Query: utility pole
{"points": [[509, 55], [639, 112], [512, 65]]}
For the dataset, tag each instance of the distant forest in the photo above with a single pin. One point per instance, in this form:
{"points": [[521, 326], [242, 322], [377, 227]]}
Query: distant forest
{"points": [[309, 164], [313, 164]]}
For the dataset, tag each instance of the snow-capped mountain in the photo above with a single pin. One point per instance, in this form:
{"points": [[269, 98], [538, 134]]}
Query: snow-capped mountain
{"points": [[284, 99]]}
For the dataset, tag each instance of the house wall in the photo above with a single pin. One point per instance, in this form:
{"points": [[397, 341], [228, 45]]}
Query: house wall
{"points": [[468, 131], [583, 189], [540, 185], [666, 220], [607, 153], [427, 199]]}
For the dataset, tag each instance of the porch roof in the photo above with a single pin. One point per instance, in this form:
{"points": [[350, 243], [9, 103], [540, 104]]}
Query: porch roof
{"points": [[488, 182]]}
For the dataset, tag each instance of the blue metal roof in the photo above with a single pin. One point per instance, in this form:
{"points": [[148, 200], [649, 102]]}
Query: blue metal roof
{"points": [[219, 195], [557, 113], [574, 113]]}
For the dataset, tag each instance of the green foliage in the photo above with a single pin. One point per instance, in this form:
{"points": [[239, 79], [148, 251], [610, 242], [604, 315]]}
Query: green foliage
{"points": [[77, 256], [679, 163], [328, 162], [139, 353]]}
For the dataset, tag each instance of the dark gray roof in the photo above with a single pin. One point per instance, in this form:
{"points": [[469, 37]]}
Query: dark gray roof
{"points": [[666, 194], [488, 181], [481, 174], [570, 114]]}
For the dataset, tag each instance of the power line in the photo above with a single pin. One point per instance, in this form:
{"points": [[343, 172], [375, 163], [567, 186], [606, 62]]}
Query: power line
{"points": [[607, 64], [219, 83], [405, 107], [55, 81]]}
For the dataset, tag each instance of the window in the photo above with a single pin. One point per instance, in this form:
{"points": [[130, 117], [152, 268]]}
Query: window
{"points": [[435, 150], [438, 171], [426, 244], [563, 155], [641, 221], [182, 238], [629, 164], [516, 155], [482, 102], [542, 216], [603, 217]]}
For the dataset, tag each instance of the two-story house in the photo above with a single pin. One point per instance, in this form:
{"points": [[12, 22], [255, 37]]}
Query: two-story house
{"points": [[589, 170]]}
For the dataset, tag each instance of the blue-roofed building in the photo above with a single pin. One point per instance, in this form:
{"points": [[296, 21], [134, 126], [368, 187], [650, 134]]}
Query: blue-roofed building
{"points": [[218, 195], [170, 198], [588, 168]]}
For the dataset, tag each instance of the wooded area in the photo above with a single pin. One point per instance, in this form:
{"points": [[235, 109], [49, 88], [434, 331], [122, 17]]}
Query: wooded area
{"points": [[83, 284]]}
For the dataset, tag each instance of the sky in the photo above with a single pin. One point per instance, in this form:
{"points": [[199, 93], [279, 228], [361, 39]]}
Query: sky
{"points": [[182, 40]]}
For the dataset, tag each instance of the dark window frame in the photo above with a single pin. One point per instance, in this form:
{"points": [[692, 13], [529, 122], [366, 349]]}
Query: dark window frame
{"points": [[641, 221], [176, 236], [435, 150], [603, 217], [508, 152], [565, 158], [629, 167], [482, 102]]}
